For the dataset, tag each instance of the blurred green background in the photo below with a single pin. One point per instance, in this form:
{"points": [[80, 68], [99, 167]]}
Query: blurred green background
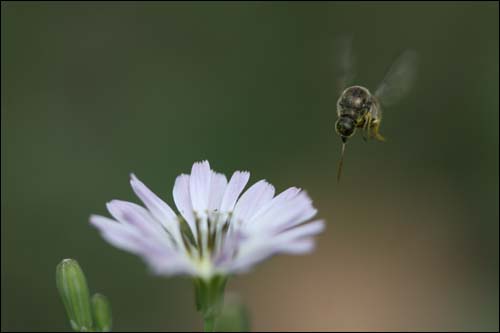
{"points": [[92, 92]]}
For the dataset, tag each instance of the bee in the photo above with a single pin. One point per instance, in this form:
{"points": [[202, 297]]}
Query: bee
{"points": [[357, 107]]}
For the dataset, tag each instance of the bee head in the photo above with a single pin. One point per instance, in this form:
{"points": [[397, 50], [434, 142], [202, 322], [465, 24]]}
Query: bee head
{"points": [[345, 127]]}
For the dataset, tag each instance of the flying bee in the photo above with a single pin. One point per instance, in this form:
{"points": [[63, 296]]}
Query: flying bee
{"points": [[357, 107]]}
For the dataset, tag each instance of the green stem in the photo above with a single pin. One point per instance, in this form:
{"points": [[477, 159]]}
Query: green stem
{"points": [[209, 299], [209, 324]]}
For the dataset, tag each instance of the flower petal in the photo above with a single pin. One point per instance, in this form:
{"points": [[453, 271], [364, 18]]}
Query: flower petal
{"points": [[199, 186], [217, 189], [129, 213], [127, 238], [233, 190], [285, 211], [119, 235], [252, 200], [303, 246], [158, 208], [182, 199], [297, 240], [161, 259], [171, 265], [277, 202], [306, 230], [139, 219]]}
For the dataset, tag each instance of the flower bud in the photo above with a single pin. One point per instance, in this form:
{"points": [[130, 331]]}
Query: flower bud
{"points": [[74, 293], [101, 309]]}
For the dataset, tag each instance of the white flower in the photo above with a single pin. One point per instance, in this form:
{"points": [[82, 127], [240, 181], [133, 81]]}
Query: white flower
{"points": [[217, 232]]}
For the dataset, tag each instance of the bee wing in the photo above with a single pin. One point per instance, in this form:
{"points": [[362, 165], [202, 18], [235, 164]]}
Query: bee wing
{"points": [[344, 62], [399, 78]]}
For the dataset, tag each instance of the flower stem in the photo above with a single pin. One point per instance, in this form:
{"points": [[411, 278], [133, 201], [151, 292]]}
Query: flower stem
{"points": [[209, 295], [209, 324]]}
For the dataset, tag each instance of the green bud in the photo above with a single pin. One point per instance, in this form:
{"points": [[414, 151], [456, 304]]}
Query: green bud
{"points": [[101, 308], [74, 293]]}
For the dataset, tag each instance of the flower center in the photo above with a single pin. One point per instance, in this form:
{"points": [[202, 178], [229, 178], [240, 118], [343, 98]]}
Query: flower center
{"points": [[208, 242]]}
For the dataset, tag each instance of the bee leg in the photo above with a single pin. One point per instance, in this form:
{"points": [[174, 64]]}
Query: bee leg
{"points": [[366, 127], [369, 133], [376, 133]]}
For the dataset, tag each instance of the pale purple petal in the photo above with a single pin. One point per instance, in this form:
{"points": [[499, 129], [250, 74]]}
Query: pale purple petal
{"points": [[127, 237], [123, 236], [283, 213], [297, 240], [131, 214], [168, 266], [233, 190], [303, 211], [119, 235], [246, 259], [252, 200], [158, 208], [303, 246], [199, 186], [306, 230], [138, 218], [276, 203], [217, 189], [182, 199], [243, 263]]}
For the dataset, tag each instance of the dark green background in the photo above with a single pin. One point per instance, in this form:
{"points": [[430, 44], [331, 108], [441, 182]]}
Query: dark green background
{"points": [[92, 92]]}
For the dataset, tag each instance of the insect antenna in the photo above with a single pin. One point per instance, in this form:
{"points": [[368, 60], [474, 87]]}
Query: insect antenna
{"points": [[341, 163]]}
